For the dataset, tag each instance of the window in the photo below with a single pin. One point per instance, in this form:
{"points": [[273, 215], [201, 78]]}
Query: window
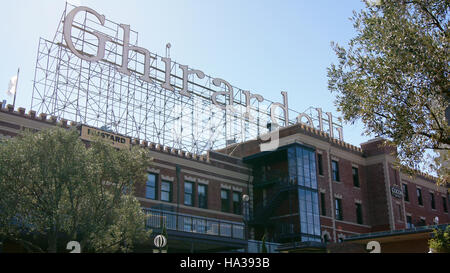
{"points": [[338, 204], [444, 203], [405, 193], [400, 212], [237, 203], [202, 196], [322, 204], [166, 191], [225, 200], [188, 193], [359, 217], [409, 223], [303, 164], [433, 202], [320, 163], [419, 197], [335, 170], [355, 177], [150, 186]]}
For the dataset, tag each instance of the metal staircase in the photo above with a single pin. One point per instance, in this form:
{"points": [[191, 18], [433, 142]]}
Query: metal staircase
{"points": [[279, 186]]}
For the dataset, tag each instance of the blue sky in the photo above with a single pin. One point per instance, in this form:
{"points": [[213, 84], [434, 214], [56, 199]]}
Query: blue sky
{"points": [[258, 45]]}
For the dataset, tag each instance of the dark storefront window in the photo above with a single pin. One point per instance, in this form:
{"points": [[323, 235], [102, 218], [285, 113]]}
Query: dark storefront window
{"points": [[166, 191], [409, 223], [433, 202], [323, 204], [355, 177], [359, 215], [444, 203], [225, 200], [150, 186], [188, 193], [405, 192], [338, 205], [335, 170], [202, 196], [320, 163], [419, 197], [237, 203]]}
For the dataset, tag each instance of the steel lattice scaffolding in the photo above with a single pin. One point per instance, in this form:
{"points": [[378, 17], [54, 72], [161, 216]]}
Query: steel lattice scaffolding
{"points": [[97, 94]]}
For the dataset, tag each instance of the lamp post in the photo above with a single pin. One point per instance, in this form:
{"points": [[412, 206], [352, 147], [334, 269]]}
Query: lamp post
{"points": [[246, 213]]}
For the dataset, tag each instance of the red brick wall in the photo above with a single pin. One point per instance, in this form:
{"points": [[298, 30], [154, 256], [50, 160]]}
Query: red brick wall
{"points": [[425, 211], [376, 189]]}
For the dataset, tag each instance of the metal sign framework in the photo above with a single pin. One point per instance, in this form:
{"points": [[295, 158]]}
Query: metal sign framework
{"points": [[97, 94]]}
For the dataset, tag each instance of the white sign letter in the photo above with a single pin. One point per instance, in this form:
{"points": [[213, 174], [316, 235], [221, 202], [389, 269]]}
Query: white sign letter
{"points": [[125, 51], [217, 82], [186, 73], [248, 97], [282, 106], [102, 38]]}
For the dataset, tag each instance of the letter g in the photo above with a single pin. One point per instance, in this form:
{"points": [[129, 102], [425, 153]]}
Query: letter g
{"points": [[102, 38]]}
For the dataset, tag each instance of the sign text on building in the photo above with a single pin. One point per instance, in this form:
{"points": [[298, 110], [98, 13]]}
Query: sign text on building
{"points": [[186, 71]]}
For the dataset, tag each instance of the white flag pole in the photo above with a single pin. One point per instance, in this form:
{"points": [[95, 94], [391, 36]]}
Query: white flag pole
{"points": [[15, 89]]}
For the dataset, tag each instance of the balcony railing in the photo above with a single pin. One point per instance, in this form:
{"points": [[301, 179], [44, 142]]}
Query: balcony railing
{"points": [[194, 224]]}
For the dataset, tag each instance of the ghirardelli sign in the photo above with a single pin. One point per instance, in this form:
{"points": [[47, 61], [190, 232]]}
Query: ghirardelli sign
{"points": [[228, 94]]}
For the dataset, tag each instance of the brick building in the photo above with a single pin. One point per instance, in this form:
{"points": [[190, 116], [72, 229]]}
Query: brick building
{"points": [[311, 188]]}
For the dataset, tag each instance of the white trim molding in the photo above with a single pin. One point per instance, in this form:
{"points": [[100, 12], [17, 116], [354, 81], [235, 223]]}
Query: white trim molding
{"points": [[225, 186], [190, 178], [203, 181], [153, 170], [167, 178], [238, 189]]}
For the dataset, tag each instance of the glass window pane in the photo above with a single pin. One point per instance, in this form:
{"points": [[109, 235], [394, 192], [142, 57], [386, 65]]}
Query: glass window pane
{"points": [[188, 199], [306, 170], [165, 196], [150, 193], [300, 166], [188, 187], [225, 229], [151, 179], [201, 189], [213, 227], [165, 186], [236, 197], [292, 162], [302, 194], [150, 189], [224, 194]]}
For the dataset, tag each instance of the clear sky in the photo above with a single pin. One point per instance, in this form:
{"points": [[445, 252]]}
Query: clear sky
{"points": [[258, 45]]}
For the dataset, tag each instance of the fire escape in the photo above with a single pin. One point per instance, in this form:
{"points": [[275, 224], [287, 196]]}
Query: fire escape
{"points": [[275, 188]]}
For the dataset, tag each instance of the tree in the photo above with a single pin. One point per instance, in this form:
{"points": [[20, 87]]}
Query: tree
{"points": [[54, 188], [394, 76], [440, 242]]}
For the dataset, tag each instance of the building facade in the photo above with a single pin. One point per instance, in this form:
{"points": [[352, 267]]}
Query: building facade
{"points": [[309, 188]]}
